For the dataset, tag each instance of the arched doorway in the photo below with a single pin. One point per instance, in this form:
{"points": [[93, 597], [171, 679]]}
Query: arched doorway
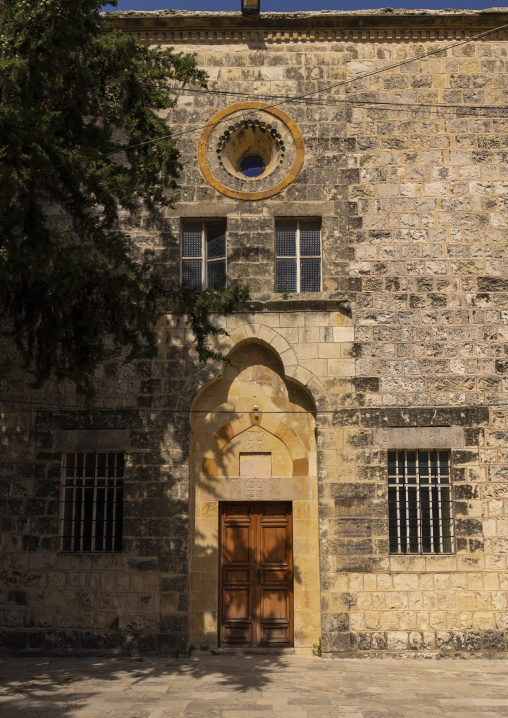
{"points": [[254, 524]]}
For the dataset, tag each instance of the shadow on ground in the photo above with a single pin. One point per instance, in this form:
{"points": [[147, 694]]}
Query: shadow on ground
{"points": [[229, 686], [130, 688]]}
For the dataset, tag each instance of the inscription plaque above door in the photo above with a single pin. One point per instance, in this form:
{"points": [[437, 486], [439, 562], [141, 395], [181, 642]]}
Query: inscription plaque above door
{"points": [[256, 574], [254, 466]]}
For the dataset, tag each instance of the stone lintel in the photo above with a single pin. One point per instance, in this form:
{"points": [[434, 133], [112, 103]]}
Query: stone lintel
{"points": [[435, 437], [93, 439], [275, 303], [276, 208]]}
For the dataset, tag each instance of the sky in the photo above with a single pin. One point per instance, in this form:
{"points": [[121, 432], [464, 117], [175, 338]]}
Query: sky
{"points": [[294, 5]]}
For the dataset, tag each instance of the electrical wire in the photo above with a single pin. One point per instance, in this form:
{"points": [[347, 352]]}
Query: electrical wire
{"points": [[350, 100], [119, 410], [349, 81], [371, 104], [296, 98], [439, 110]]}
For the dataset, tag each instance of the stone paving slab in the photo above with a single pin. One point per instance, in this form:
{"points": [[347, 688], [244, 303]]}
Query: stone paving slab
{"points": [[252, 687]]}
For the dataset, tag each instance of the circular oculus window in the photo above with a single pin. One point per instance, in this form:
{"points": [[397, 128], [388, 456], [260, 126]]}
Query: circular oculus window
{"points": [[250, 150]]}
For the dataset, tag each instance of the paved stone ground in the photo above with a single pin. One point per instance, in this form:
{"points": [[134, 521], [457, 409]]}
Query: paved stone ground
{"points": [[252, 687]]}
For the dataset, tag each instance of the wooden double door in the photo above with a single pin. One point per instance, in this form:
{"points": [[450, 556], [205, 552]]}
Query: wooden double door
{"points": [[256, 574]]}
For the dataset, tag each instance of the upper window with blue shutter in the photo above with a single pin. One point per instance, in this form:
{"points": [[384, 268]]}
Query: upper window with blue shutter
{"points": [[298, 256], [204, 254]]}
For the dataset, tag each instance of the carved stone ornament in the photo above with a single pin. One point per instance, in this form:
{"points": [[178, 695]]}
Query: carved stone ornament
{"points": [[250, 150]]}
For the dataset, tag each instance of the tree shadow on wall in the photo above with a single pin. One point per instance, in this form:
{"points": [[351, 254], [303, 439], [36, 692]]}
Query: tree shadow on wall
{"points": [[156, 544]]}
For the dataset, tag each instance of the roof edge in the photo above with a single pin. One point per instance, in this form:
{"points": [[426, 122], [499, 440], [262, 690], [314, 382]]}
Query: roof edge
{"points": [[384, 25], [318, 14]]}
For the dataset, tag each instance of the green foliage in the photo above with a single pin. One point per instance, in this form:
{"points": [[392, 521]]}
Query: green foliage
{"points": [[317, 649], [197, 307], [79, 109]]}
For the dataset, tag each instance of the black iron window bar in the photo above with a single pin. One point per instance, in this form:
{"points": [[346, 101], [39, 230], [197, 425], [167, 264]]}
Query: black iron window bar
{"points": [[419, 501], [92, 501]]}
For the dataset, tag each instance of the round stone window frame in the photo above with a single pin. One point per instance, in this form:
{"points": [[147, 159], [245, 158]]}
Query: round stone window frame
{"points": [[237, 194]]}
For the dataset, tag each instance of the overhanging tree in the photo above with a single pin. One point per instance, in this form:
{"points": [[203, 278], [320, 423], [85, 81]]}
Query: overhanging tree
{"points": [[81, 139]]}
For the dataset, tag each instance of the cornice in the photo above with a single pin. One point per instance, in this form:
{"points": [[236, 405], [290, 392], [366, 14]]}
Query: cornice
{"points": [[326, 302], [180, 27]]}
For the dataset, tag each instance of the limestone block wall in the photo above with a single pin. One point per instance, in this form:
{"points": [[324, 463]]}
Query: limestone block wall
{"points": [[133, 601], [422, 255], [407, 171], [430, 248]]}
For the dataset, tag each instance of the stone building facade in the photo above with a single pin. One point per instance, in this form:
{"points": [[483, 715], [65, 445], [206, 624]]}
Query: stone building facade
{"points": [[345, 478]]}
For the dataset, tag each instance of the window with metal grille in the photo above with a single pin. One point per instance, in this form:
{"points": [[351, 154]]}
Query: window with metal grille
{"points": [[92, 501], [204, 254], [419, 500], [298, 256]]}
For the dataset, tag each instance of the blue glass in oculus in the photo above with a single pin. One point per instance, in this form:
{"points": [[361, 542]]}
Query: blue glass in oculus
{"points": [[252, 166]]}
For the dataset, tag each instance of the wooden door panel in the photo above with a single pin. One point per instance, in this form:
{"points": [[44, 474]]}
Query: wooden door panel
{"points": [[237, 604], [236, 576], [275, 543], [256, 574], [237, 548], [274, 636], [274, 576], [274, 604], [237, 571], [236, 635]]}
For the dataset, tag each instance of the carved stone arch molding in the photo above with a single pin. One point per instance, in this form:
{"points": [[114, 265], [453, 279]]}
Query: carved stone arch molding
{"points": [[253, 440], [262, 335]]}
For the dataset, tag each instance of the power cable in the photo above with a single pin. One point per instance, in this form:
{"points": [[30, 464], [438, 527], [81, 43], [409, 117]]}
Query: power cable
{"points": [[45, 407], [379, 105], [375, 103], [408, 61], [349, 81], [324, 89]]}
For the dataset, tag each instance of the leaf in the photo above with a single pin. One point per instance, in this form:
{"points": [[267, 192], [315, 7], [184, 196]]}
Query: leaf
{"points": [[84, 146]]}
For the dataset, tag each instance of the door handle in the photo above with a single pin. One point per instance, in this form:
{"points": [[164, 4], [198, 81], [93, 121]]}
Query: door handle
{"points": [[258, 574]]}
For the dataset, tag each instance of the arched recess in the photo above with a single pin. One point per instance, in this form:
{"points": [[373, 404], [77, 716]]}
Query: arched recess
{"points": [[247, 455], [262, 336]]}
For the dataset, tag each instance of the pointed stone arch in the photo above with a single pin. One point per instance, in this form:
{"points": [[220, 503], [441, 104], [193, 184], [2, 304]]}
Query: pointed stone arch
{"points": [[273, 340], [226, 430]]}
